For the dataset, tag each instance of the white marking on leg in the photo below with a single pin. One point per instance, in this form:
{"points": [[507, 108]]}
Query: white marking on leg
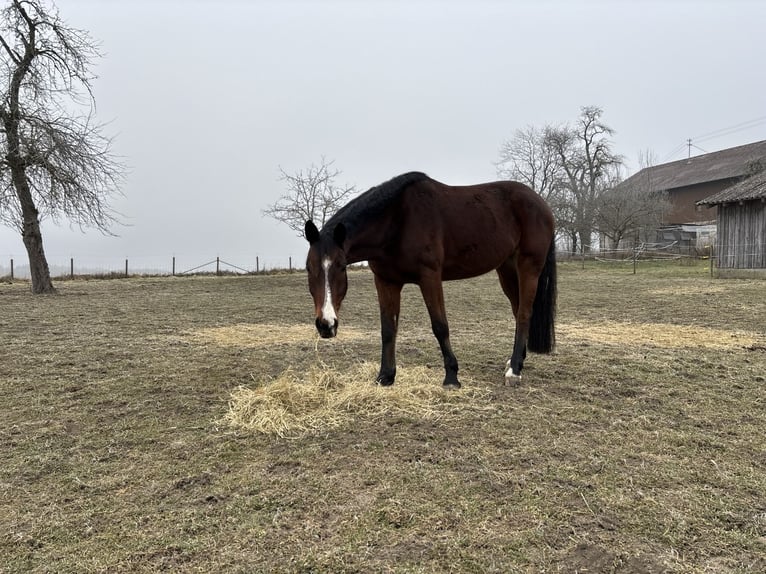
{"points": [[328, 311], [511, 378]]}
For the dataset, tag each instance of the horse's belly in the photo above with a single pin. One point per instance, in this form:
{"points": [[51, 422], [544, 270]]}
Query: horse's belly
{"points": [[466, 271], [473, 259]]}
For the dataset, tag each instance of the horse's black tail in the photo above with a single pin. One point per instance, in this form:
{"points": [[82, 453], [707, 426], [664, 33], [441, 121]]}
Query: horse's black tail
{"points": [[542, 335]]}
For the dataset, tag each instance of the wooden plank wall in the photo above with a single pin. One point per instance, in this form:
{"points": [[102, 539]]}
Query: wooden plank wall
{"points": [[741, 235]]}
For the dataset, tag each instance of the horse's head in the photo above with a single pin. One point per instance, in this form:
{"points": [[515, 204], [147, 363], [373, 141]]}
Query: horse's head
{"points": [[326, 266]]}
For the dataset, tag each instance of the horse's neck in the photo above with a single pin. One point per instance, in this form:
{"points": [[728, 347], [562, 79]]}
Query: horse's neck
{"points": [[363, 246], [357, 252]]}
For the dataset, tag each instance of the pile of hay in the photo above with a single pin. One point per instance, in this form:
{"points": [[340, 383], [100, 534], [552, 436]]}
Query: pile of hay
{"points": [[296, 404]]}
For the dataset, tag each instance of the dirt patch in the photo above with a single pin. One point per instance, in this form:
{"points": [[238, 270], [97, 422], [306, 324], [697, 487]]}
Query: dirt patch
{"points": [[593, 558]]}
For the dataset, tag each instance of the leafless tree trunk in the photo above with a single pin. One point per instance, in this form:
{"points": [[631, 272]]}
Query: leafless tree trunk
{"points": [[311, 195], [54, 162], [625, 211], [568, 166], [586, 160]]}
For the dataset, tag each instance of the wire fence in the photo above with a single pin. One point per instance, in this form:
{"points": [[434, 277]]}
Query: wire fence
{"points": [[718, 257], [73, 268], [742, 255]]}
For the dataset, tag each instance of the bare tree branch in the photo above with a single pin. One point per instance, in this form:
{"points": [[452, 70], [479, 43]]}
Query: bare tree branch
{"points": [[586, 162], [527, 158], [56, 161], [569, 165], [312, 194]]}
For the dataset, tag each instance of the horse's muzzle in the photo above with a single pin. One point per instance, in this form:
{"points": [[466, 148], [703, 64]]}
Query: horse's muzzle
{"points": [[327, 331]]}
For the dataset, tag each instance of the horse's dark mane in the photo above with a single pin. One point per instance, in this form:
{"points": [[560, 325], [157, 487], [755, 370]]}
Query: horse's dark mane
{"points": [[373, 201]]}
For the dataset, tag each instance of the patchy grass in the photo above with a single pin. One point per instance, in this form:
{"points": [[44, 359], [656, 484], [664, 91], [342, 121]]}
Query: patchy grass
{"points": [[132, 437]]}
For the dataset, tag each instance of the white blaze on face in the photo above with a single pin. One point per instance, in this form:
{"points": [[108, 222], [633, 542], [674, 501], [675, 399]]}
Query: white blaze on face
{"points": [[328, 311]]}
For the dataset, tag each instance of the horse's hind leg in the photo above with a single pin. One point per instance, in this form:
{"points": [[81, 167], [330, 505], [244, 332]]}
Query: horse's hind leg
{"points": [[389, 299], [509, 281], [519, 282], [433, 295]]}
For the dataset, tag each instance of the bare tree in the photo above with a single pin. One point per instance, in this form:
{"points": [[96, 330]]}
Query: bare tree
{"points": [[55, 162], [569, 166], [585, 161], [631, 210], [530, 159], [312, 194], [627, 211]]}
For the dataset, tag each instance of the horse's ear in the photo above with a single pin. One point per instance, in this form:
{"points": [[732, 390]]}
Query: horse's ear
{"points": [[339, 234], [311, 232]]}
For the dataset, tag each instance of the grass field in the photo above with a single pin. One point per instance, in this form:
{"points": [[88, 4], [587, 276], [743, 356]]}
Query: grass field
{"points": [[638, 446]]}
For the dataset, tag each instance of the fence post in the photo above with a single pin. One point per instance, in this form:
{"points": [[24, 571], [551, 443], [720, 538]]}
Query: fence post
{"points": [[174, 265], [11, 268], [635, 257], [291, 264], [71, 267], [126, 268], [217, 265], [257, 264]]}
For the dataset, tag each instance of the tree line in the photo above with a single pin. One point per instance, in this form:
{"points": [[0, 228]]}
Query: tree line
{"points": [[56, 161], [572, 166]]}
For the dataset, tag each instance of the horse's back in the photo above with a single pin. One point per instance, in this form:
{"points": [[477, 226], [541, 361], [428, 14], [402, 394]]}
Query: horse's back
{"points": [[473, 229]]}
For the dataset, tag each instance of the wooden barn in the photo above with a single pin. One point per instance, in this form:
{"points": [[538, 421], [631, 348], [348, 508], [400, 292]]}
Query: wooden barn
{"points": [[741, 219], [689, 182]]}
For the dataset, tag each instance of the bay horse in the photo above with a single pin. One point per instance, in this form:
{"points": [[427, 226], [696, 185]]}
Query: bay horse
{"points": [[414, 229]]}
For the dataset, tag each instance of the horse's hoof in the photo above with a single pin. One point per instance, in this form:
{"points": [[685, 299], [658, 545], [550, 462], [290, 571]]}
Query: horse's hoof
{"points": [[511, 379], [384, 382], [451, 386]]}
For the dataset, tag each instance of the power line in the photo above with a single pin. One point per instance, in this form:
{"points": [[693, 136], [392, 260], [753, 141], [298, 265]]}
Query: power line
{"points": [[731, 129], [679, 148], [691, 142]]}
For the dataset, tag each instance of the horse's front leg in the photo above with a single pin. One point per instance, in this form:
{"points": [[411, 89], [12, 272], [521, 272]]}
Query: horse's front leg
{"points": [[389, 299], [433, 295]]}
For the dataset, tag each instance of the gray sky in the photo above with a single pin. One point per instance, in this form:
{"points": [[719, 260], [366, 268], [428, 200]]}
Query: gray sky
{"points": [[208, 98]]}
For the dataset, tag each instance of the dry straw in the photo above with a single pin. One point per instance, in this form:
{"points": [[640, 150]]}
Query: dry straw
{"points": [[248, 335], [296, 404], [664, 335]]}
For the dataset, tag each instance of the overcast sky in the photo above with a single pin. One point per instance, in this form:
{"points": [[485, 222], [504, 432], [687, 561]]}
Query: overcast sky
{"points": [[208, 98]]}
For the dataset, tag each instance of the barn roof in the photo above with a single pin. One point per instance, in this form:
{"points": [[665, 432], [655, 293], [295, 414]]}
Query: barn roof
{"points": [[754, 187], [725, 164]]}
